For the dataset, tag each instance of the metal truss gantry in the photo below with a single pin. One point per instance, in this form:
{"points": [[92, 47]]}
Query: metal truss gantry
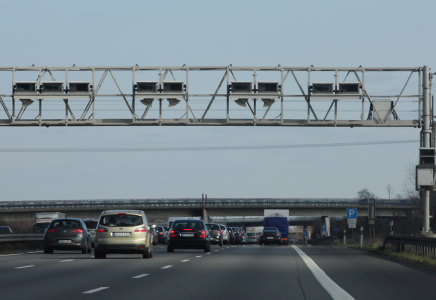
{"points": [[380, 112], [231, 94]]}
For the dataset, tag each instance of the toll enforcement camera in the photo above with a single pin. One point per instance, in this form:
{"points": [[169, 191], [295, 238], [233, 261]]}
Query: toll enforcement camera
{"points": [[79, 87]]}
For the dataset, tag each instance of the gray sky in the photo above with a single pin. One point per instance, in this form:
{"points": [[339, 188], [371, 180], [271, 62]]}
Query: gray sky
{"points": [[242, 33]]}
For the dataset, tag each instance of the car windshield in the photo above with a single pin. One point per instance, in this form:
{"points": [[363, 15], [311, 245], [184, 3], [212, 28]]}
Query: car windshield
{"points": [[212, 227], [121, 220], [236, 230], [251, 234], [223, 227], [4, 230], [188, 225], [65, 224], [91, 224]]}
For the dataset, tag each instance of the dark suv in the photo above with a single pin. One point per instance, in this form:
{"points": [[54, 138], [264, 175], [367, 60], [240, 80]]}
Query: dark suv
{"points": [[188, 234]]}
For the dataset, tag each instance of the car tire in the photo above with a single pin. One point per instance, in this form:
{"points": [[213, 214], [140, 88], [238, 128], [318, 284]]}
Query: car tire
{"points": [[221, 243], [48, 250], [154, 243], [170, 249], [207, 248], [148, 254]]}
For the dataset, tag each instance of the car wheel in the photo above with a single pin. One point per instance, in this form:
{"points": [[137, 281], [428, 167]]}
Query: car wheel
{"points": [[154, 243], [170, 249], [147, 254], [221, 243], [48, 250], [207, 248]]}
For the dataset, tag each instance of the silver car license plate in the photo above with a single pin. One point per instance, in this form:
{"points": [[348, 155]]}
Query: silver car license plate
{"points": [[64, 241], [187, 234], [269, 238], [120, 234]]}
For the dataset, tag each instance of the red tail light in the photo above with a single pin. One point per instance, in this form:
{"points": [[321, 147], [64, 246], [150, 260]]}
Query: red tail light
{"points": [[218, 232], [101, 229], [78, 231], [203, 234], [141, 229], [277, 234], [52, 230], [231, 234], [172, 233], [263, 234], [161, 233], [121, 213]]}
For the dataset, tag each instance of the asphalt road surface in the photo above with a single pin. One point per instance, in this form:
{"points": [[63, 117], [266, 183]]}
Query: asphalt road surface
{"points": [[229, 272]]}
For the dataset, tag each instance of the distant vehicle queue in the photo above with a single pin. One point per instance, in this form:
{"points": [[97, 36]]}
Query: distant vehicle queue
{"points": [[128, 231]]}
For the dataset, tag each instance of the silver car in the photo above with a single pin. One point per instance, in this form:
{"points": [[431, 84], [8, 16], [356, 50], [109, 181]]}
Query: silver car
{"points": [[216, 234], [225, 233], [91, 224]]}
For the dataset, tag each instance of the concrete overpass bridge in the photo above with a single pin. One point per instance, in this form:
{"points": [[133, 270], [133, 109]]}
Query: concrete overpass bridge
{"points": [[158, 210]]}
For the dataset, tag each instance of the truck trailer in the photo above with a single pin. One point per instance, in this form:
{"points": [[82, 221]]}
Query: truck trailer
{"points": [[281, 223], [42, 220]]}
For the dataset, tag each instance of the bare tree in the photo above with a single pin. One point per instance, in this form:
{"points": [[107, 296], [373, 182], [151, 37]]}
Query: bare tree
{"points": [[366, 194], [390, 190]]}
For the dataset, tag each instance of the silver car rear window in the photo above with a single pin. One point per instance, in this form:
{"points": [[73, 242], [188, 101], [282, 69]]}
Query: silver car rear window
{"points": [[212, 227], [121, 220]]}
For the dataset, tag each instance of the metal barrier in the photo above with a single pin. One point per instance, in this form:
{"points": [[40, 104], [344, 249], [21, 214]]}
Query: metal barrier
{"points": [[424, 246], [21, 237]]}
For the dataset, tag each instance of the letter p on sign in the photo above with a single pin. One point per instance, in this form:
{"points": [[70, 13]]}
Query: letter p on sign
{"points": [[351, 213]]}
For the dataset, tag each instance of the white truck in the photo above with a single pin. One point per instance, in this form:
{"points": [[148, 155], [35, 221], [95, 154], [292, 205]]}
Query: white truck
{"points": [[42, 220]]}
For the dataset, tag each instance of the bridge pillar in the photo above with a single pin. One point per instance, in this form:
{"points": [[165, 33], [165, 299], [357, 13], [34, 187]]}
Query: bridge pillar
{"points": [[325, 221], [205, 216]]}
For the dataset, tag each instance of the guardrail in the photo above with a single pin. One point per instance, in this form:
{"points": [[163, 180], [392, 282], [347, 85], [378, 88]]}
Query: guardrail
{"points": [[420, 245], [197, 202], [21, 237]]}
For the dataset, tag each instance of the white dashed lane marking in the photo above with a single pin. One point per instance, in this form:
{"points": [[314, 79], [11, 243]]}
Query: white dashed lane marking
{"points": [[140, 276], [215, 250], [11, 254], [185, 260], [198, 256], [66, 260], [208, 253], [166, 267], [25, 267], [95, 290]]}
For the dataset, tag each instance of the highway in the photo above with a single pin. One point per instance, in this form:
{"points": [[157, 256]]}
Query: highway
{"points": [[229, 272]]}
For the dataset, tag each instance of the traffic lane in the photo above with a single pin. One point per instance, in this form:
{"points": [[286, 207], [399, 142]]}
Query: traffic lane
{"points": [[369, 276], [50, 278], [230, 273]]}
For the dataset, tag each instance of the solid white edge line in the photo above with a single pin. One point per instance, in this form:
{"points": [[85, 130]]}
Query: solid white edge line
{"points": [[335, 291], [166, 267], [140, 276], [25, 267], [95, 290]]}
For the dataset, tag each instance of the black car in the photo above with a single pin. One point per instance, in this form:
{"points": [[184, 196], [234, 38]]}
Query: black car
{"points": [[188, 234], [161, 234], [237, 234], [270, 237], [67, 234]]}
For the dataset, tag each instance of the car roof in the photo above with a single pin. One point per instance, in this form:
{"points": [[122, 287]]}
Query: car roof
{"points": [[93, 220], [113, 212], [188, 220], [5, 227], [74, 219]]}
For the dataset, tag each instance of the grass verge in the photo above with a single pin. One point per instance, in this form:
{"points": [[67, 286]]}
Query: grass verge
{"points": [[403, 256], [11, 247]]}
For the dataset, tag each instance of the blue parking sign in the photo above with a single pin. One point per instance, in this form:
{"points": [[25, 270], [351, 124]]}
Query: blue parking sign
{"points": [[351, 213], [324, 228]]}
